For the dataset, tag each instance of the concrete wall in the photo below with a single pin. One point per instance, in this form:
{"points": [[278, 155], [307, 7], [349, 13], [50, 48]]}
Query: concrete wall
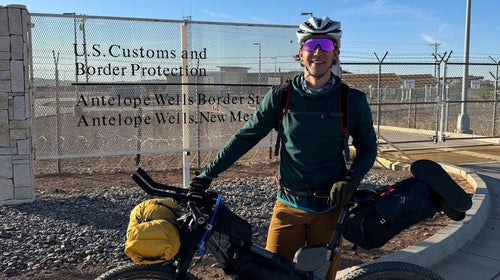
{"points": [[16, 153]]}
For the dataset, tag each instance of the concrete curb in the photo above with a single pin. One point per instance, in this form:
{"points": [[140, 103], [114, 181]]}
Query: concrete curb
{"points": [[383, 162], [451, 238]]}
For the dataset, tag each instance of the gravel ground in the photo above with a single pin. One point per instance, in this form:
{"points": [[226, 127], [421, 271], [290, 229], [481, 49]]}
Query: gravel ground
{"points": [[85, 228]]}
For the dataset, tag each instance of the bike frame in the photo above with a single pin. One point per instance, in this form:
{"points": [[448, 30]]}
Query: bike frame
{"points": [[208, 225], [198, 232]]}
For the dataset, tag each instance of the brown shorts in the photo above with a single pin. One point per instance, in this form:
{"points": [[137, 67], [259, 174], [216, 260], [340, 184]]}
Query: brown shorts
{"points": [[291, 228]]}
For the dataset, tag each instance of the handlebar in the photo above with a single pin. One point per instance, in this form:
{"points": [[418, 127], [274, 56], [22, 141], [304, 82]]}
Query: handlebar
{"points": [[180, 194]]}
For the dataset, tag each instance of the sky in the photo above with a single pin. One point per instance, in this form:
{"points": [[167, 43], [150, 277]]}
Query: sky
{"points": [[400, 27]]}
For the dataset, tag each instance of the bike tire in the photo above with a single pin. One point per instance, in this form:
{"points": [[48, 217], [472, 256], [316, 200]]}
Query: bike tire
{"points": [[141, 271], [392, 271]]}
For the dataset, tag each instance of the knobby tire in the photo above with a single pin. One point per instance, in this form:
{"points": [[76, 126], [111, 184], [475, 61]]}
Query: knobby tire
{"points": [[142, 271], [392, 271]]}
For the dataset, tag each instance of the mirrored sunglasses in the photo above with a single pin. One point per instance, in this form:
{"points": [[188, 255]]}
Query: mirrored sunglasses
{"points": [[325, 44]]}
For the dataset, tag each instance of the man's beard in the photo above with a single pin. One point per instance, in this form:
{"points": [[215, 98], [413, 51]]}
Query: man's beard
{"points": [[316, 76]]}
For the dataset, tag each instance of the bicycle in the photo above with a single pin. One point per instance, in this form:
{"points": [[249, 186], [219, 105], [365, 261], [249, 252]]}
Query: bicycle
{"points": [[208, 225]]}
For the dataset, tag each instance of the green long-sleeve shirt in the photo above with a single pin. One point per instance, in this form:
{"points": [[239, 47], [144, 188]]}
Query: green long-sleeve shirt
{"points": [[311, 157]]}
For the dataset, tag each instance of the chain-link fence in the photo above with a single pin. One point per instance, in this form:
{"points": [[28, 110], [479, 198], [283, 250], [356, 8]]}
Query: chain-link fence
{"points": [[114, 86], [126, 87], [430, 105]]}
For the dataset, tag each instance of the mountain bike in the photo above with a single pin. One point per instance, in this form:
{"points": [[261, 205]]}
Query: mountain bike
{"points": [[207, 225]]}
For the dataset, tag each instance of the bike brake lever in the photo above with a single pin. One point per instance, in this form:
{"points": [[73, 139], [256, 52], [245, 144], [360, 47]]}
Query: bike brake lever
{"points": [[199, 218]]}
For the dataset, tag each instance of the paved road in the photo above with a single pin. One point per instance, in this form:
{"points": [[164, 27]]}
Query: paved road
{"points": [[479, 258], [471, 249]]}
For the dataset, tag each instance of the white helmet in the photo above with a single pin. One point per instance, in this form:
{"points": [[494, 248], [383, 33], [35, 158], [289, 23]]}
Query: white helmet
{"points": [[320, 26]]}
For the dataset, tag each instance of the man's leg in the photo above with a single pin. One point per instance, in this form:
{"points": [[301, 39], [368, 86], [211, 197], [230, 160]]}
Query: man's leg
{"points": [[320, 231], [286, 231]]}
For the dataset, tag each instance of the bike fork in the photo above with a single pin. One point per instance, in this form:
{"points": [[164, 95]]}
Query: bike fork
{"points": [[183, 265]]}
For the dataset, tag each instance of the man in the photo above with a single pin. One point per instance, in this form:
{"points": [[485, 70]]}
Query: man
{"points": [[313, 179]]}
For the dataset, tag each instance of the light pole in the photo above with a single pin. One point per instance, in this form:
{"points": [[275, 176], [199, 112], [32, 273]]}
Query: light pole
{"points": [[463, 122], [260, 57]]}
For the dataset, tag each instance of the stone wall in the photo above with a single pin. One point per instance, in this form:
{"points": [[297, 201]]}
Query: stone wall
{"points": [[16, 153]]}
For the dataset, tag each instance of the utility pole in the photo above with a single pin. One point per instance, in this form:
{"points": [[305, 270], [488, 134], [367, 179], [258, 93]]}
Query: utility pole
{"points": [[435, 54]]}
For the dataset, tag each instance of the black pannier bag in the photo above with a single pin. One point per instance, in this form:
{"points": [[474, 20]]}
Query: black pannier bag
{"points": [[393, 209]]}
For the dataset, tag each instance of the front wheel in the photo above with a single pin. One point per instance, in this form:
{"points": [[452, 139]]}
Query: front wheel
{"points": [[142, 271], [392, 271]]}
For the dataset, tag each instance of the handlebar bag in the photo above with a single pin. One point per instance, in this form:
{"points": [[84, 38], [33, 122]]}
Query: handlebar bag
{"points": [[152, 233], [395, 208]]}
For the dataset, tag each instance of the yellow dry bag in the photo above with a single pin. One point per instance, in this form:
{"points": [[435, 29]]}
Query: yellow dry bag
{"points": [[152, 234]]}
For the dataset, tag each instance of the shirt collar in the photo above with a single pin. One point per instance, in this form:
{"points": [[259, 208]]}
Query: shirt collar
{"points": [[316, 91]]}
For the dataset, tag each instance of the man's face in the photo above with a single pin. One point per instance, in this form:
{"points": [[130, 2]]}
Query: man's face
{"points": [[317, 55]]}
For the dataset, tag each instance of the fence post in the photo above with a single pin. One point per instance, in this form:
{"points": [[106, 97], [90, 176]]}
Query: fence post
{"points": [[495, 92], [379, 89], [16, 152], [443, 102], [437, 99], [185, 107]]}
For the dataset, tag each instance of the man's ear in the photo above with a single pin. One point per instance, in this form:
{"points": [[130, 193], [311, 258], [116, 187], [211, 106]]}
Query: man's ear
{"points": [[336, 56]]}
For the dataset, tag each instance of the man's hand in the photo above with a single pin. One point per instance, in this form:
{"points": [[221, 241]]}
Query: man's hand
{"points": [[342, 191], [200, 182]]}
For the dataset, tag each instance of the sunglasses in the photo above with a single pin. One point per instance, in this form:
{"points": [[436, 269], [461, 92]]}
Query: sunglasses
{"points": [[325, 44]]}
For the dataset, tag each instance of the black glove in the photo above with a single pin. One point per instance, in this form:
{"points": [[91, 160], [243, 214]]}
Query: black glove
{"points": [[200, 182], [342, 191]]}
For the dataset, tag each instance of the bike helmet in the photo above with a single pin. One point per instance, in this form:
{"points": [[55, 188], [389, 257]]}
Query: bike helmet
{"points": [[319, 26]]}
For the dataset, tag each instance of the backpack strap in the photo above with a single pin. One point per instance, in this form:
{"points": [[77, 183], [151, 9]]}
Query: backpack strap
{"points": [[283, 101], [344, 120]]}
